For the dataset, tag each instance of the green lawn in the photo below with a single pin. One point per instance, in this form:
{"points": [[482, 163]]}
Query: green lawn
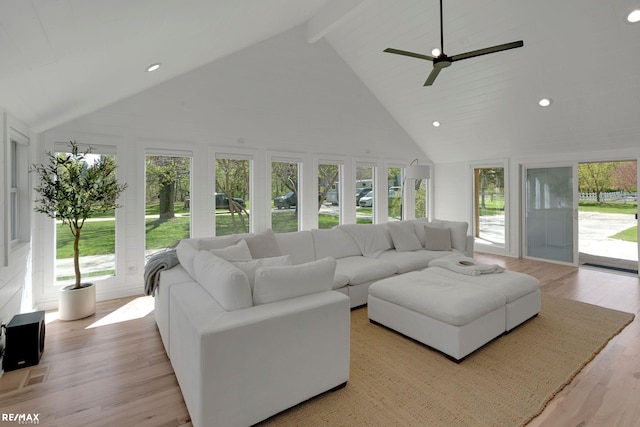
{"points": [[166, 233], [628, 235], [621, 208], [96, 238]]}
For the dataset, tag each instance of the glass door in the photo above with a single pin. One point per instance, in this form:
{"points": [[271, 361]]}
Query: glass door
{"points": [[551, 220]]}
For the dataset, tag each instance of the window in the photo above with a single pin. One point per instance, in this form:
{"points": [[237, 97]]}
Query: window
{"points": [[285, 196], [97, 240], [233, 178], [329, 196], [19, 209], [365, 190], [421, 198], [167, 201], [394, 193], [489, 205], [13, 192]]}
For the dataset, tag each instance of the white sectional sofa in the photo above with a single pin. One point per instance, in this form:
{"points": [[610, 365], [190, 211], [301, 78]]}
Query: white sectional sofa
{"points": [[256, 323]]}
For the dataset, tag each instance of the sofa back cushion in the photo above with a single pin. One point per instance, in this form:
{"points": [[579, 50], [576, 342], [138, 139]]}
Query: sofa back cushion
{"points": [[335, 243], [280, 283], [372, 239], [227, 284], [263, 245], [418, 225], [298, 244], [404, 236], [218, 242], [458, 232]]}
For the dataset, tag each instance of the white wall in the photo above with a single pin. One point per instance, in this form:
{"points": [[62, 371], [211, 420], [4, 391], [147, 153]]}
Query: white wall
{"points": [[281, 97], [15, 259]]}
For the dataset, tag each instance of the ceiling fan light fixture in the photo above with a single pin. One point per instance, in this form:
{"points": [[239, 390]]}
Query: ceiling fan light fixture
{"points": [[435, 52], [544, 102], [436, 124], [634, 16], [153, 67]]}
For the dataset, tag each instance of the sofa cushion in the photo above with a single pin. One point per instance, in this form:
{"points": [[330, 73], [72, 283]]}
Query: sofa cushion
{"points": [[186, 253], [437, 238], [263, 245], [431, 255], [404, 236], [227, 284], [298, 244], [208, 243], [335, 243], [361, 269], [458, 232], [237, 252], [249, 267], [372, 239], [405, 261], [279, 283], [340, 280], [418, 228]]}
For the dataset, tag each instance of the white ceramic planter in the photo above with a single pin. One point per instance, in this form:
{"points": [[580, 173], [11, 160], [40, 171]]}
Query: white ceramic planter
{"points": [[77, 303]]}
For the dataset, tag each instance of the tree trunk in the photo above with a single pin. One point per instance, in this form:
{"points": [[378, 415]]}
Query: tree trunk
{"points": [[166, 201], [76, 256]]}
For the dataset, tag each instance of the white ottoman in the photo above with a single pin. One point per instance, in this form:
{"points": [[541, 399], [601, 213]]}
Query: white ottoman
{"points": [[446, 314], [522, 292]]}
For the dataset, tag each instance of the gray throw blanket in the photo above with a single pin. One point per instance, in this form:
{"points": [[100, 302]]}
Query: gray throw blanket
{"points": [[161, 261]]}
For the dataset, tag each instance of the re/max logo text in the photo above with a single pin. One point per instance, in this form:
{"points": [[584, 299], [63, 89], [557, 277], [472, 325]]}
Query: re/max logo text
{"points": [[22, 418]]}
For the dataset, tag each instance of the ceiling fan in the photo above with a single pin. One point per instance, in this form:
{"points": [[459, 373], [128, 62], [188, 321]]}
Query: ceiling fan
{"points": [[443, 61]]}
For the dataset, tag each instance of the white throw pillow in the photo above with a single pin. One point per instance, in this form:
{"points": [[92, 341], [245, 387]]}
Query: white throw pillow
{"points": [[186, 253], [404, 236], [237, 252], [249, 267], [437, 239], [263, 245], [225, 282], [280, 283]]}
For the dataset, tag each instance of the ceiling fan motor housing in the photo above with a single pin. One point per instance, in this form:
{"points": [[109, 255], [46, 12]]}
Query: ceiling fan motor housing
{"points": [[442, 61]]}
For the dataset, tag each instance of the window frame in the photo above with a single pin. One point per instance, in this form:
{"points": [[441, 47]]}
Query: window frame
{"points": [[232, 155], [479, 245]]}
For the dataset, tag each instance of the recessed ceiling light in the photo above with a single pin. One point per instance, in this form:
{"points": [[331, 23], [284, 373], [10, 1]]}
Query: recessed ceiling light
{"points": [[153, 67], [544, 102], [634, 16], [436, 52], [436, 124]]}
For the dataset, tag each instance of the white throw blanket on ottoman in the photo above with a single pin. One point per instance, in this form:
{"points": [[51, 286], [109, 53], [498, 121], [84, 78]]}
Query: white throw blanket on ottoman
{"points": [[465, 265]]}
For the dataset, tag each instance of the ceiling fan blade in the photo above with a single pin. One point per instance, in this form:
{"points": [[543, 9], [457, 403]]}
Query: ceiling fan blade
{"points": [[432, 76], [487, 50], [412, 54]]}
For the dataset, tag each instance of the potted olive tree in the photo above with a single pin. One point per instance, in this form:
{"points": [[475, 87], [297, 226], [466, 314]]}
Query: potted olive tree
{"points": [[71, 190]]}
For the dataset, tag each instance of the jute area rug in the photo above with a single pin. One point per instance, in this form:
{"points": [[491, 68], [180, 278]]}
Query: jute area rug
{"points": [[397, 381]]}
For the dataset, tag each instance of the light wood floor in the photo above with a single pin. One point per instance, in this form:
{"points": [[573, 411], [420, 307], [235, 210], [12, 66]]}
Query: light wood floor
{"points": [[117, 374]]}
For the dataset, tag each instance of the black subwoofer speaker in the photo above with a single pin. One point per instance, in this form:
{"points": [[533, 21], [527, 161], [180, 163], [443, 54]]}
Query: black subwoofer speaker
{"points": [[24, 342]]}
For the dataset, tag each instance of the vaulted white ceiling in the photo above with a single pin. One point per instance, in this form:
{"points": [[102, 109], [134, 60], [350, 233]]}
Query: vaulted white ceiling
{"points": [[60, 59]]}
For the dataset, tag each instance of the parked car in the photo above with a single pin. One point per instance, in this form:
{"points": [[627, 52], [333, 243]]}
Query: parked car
{"points": [[366, 201], [395, 191], [222, 202], [287, 201], [360, 192]]}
